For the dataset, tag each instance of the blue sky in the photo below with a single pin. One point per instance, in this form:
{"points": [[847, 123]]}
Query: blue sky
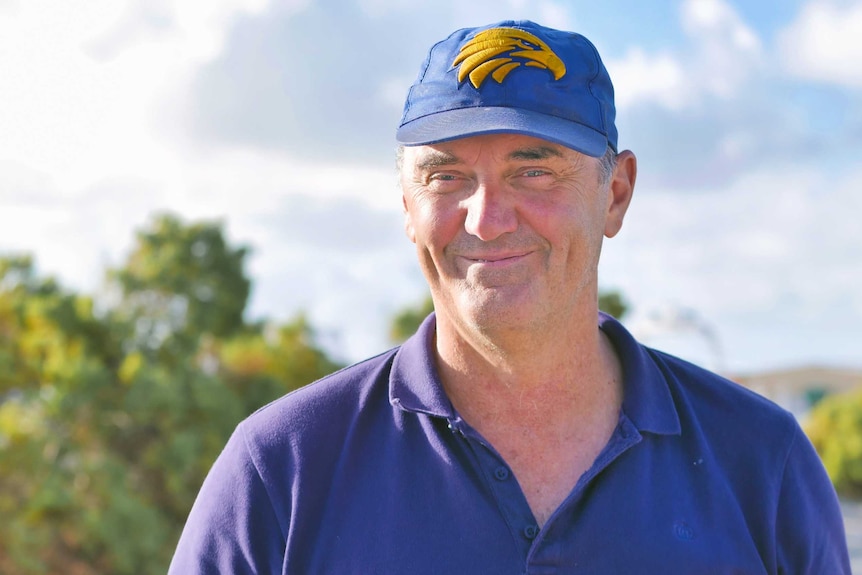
{"points": [[742, 249]]}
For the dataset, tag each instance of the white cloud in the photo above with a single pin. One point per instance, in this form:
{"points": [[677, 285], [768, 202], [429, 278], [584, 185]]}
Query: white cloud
{"points": [[554, 14], [378, 8], [640, 78], [83, 160], [775, 247], [195, 28], [718, 20], [72, 112], [727, 51], [202, 24], [481, 12], [823, 43], [722, 54]]}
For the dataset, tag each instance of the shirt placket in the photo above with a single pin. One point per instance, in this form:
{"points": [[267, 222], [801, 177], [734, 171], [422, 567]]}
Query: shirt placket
{"points": [[501, 482], [546, 557], [539, 548]]}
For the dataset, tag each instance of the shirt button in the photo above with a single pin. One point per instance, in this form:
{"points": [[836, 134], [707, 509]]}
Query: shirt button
{"points": [[530, 531], [501, 473]]}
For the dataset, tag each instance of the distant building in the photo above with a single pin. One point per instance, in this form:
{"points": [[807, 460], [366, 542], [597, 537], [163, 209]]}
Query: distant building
{"points": [[799, 389]]}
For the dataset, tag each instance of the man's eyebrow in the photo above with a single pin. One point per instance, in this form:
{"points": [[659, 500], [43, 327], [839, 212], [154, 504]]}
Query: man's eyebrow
{"points": [[535, 153], [435, 159]]}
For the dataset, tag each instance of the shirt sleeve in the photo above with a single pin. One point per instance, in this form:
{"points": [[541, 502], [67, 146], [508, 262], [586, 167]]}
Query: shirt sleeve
{"points": [[809, 524], [232, 527]]}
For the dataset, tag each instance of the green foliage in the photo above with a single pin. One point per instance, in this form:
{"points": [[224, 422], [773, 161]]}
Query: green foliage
{"points": [[110, 419], [612, 303], [407, 321], [181, 282], [263, 364], [835, 428]]}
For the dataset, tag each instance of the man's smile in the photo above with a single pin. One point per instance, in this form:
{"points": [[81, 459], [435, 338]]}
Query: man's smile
{"points": [[501, 259]]}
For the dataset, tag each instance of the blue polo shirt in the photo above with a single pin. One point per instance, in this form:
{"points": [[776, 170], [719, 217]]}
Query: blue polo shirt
{"points": [[372, 471]]}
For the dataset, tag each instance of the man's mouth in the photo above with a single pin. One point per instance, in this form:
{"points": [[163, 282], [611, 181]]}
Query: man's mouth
{"points": [[492, 259]]}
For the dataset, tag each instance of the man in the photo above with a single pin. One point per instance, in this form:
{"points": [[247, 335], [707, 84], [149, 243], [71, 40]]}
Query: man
{"points": [[520, 430]]}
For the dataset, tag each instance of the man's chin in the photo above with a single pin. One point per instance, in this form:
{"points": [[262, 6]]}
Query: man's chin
{"points": [[499, 306]]}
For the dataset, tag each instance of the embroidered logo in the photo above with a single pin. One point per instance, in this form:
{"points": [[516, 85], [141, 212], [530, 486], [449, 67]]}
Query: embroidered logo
{"points": [[498, 51], [683, 531]]}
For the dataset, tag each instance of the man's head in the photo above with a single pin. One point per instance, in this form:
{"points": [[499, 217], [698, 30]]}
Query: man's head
{"points": [[510, 174]]}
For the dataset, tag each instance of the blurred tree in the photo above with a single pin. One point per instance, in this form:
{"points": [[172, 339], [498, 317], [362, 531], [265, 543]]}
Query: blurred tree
{"points": [[182, 282], [111, 415], [613, 303], [260, 365], [57, 371], [406, 322], [835, 429]]}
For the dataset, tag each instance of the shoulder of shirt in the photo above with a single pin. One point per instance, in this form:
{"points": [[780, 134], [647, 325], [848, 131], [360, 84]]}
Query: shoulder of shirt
{"points": [[335, 399], [724, 402]]}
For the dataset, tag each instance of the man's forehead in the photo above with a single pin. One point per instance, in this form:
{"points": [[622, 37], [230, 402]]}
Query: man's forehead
{"points": [[503, 146]]}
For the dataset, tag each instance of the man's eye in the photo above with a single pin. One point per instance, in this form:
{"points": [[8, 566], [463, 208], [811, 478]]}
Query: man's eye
{"points": [[442, 177], [534, 173]]}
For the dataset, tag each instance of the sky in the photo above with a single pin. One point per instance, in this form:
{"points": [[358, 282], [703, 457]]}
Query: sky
{"points": [[742, 250]]}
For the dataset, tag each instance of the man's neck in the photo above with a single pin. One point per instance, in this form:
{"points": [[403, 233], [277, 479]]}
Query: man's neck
{"points": [[548, 409], [561, 368]]}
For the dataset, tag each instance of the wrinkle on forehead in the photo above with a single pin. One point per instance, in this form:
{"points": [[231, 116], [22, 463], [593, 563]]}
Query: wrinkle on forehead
{"points": [[432, 157], [535, 153], [436, 158]]}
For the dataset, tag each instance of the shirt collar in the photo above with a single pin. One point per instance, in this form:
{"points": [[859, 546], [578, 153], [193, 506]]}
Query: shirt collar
{"points": [[414, 383], [647, 400]]}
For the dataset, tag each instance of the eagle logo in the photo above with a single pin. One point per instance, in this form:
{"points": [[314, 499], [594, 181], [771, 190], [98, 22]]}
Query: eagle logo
{"points": [[494, 52]]}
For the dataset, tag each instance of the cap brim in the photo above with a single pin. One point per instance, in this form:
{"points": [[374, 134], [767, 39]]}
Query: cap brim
{"points": [[466, 122]]}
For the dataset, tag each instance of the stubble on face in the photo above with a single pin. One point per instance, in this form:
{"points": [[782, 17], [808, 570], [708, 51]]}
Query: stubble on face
{"points": [[514, 278]]}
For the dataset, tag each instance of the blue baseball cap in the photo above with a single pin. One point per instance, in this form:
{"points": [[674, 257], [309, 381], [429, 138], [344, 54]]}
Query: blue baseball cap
{"points": [[512, 77]]}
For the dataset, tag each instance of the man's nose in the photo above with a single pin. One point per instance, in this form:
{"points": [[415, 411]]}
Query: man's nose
{"points": [[490, 212]]}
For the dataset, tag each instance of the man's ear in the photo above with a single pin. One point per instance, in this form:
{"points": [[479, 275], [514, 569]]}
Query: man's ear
{"points": [[408, 221], [621, 188]]}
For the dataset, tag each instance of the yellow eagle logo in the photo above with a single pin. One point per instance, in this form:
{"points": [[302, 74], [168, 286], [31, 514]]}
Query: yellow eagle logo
{"points": [[482, 55]]}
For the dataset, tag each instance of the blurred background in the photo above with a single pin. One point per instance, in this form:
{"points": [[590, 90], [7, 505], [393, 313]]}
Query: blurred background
{"points": [[199, 212]]}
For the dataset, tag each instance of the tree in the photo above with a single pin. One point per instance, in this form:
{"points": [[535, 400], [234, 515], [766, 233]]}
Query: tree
{"points": [[835, 429], [111, 414], [407, 321], [263, 364], [613, 303], [182, 282], [59, 355]]}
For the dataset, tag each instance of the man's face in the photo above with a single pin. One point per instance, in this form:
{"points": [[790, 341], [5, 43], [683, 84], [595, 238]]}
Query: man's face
{"points": [[508, 228]]}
